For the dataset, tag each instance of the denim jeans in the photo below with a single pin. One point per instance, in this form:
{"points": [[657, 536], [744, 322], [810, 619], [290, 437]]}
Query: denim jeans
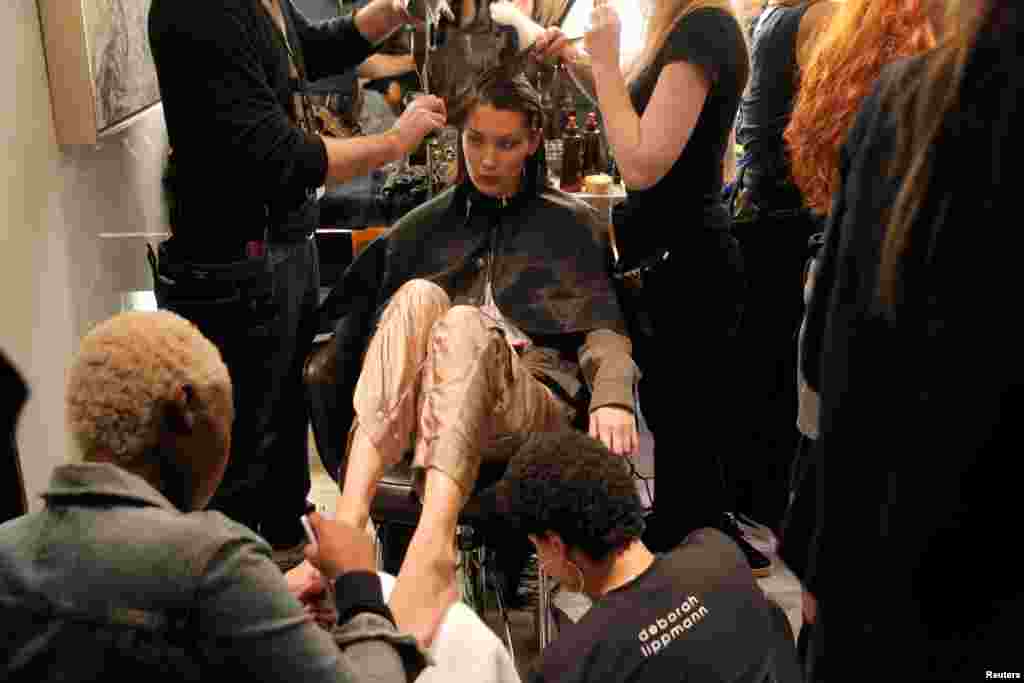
{"points": [[261, 314]]}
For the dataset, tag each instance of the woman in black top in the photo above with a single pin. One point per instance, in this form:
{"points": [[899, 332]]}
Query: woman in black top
{"points": [[668, 120], [912, 343]]}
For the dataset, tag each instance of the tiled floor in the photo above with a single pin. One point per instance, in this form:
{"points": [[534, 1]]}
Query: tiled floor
{"points": [[781, 586]]}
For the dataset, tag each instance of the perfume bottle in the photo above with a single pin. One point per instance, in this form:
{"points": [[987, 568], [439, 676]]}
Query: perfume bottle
{"points": [[572, 156], [593, 149]]}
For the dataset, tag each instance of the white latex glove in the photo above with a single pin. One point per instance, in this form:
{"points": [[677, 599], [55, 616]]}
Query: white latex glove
{"points": [[508, 13]]}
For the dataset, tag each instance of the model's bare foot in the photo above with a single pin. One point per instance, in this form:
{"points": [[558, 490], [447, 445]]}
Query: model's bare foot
{"points": [[425, 587]]}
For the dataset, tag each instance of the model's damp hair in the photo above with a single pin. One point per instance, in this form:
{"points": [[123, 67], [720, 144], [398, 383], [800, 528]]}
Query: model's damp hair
{"points": [[506, 91]]}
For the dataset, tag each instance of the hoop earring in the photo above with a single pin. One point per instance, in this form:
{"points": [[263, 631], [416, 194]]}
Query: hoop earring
{"points": [[580, 572]]}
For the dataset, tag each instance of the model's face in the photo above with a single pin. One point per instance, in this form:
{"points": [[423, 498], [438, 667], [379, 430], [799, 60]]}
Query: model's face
{"points": [[496, 144]]}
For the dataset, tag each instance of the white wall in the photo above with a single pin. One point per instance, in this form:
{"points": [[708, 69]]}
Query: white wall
{"points": [[58, 277]]}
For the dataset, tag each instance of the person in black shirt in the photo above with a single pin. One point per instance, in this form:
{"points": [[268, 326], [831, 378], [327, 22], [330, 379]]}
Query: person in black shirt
{"points": [[241, 263], [668, 120], [695, 614]]}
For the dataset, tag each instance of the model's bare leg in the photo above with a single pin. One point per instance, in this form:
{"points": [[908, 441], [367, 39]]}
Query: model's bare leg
{"points": [[387, 394], [473, 389], [426, 584]]}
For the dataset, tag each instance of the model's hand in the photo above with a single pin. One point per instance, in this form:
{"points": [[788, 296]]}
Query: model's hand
{"points": [[424, 115], [616, 428], [554, 44], [605, 34], [340, 548], [809, 607]]}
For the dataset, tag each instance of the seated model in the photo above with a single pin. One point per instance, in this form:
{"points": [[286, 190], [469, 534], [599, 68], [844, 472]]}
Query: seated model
{"points": [[500, 318], [694, 614]]}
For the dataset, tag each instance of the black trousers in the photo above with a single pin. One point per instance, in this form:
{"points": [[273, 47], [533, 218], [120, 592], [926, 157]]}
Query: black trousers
{"points": [[688, 374], [774, 252], [263, 320]]}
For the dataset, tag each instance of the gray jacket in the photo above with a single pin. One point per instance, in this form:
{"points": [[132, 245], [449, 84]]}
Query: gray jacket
{"points": [[110, 578]]}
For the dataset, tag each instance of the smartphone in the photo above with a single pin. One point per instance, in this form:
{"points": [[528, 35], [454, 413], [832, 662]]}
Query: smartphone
{"points": [[307, 525]]}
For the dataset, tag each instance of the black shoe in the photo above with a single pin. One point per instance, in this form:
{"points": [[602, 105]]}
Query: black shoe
{"points": [[760, 564]]}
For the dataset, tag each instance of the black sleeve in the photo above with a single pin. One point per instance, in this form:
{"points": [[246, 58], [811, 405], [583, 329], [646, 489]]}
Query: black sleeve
{"points": [[230, 108], [830, 254], [705, 38], [331, 47], [359, 592]]}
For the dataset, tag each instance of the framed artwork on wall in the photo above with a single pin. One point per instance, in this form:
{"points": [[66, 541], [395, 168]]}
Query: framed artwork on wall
{"points": [[99, 63]]}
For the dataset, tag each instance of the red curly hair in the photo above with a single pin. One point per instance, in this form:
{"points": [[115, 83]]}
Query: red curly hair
{"points": [[863, 37]]}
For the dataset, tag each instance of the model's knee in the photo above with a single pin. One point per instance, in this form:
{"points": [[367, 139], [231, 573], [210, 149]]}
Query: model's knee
{"points": [[467, 320], [420, 292]]}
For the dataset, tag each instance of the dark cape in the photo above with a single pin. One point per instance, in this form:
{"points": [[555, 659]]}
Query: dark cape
{"points": [[551, 258]]}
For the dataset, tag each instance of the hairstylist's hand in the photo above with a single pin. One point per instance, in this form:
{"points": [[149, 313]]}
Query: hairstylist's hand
{"points": [[424, 115], [340, 548], [604, 36], [410, 11], [554, 44], [616, 428]]}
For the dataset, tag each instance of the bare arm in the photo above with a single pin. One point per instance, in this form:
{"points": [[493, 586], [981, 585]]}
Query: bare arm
{"points": [[380, 18], [385, 66], [645, 148]]}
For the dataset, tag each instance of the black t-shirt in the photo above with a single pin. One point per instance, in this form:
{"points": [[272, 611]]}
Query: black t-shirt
{"points": [[712, 39], [696, 615], [242, 163]]}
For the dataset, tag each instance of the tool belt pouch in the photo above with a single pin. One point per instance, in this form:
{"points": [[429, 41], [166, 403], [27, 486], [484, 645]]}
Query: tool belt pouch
{"points": [[219, 297]]}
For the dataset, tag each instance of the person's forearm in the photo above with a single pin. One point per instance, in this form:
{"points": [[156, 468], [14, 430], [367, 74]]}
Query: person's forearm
{"points": [[386, 66], [378, 20], [606, 361], [621, 123], [357, 157], [729, 159]]}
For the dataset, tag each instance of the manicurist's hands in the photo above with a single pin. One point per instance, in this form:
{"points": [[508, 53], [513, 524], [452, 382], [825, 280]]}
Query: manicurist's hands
{"points": [[340, 548], [312, 589], [616, 428]]}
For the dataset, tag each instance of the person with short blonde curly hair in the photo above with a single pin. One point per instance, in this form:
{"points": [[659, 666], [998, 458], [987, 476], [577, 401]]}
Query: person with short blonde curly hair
{"points": [[122, 574], [126, 370]]}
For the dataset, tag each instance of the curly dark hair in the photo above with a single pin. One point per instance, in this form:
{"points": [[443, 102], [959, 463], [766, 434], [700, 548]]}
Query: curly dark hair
{"points": [[569, 483]]}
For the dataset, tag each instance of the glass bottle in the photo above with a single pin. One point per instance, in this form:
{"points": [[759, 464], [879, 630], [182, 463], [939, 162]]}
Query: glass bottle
{"points": [[593, 150], [572, 157]]}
